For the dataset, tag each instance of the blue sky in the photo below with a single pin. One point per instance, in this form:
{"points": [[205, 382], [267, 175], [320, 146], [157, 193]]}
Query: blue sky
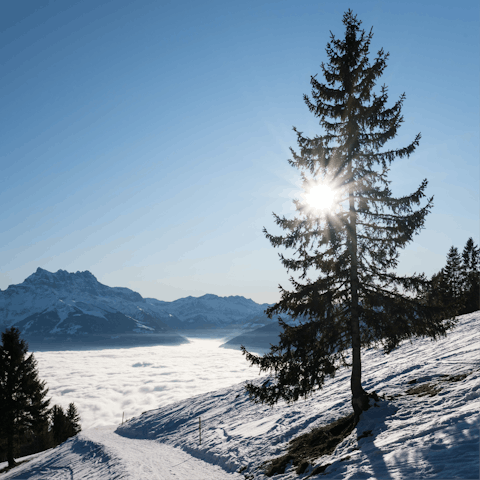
{"points": [[148, 141]]}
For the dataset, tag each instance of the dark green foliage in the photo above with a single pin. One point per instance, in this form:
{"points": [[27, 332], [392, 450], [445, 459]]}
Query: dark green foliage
{"points": [[470, 277], [437, 291], [456, 287], [73, 420], [453, 275], [22, 395], [34, 441], [26, 424], [64, 425], [346, 293], [59, 424]]}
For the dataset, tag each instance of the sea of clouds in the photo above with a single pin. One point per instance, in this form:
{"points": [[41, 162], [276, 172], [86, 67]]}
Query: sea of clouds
{"points": [[107, 384]]}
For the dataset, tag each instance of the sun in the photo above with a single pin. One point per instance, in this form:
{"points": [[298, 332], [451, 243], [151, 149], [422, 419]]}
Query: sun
{"points": [[321, 197]]}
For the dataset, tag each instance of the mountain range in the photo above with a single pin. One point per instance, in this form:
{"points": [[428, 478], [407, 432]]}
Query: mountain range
{"points": [[75, 307]]}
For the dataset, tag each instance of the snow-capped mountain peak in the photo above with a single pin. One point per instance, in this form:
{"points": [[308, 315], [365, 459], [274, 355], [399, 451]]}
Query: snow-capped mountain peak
{"points": [[62, 302]]}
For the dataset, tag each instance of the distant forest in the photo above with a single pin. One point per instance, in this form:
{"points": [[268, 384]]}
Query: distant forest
{"points": [[456, 287]]}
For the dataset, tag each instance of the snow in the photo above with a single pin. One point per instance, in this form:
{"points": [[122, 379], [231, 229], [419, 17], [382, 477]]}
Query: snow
{"points": [[101, 454], [412, 436], [64, 293]]}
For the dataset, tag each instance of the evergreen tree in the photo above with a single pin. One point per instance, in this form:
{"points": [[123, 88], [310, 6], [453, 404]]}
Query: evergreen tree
{"points": [[437, 292], [346, 294], [59, 424], [73, 420], [471, 277], [452, 273], [64, 425], [23, 405]]}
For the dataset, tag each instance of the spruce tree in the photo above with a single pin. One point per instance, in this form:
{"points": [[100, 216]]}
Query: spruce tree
{"points": [[437, 292], [346, 294], [59, 424], [23, 405], [452, 273], [64, 424], [471, 277], [73, 420]]}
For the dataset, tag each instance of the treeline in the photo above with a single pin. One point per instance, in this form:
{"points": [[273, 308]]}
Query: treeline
{"points": [[456, 287], [27, 424], [58, 427]]}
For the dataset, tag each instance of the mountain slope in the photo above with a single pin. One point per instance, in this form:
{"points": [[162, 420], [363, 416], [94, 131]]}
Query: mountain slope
{"points": [[409, 434], [257, 340], [58, 307], [51, 306], [101, 454], [211, 311]]}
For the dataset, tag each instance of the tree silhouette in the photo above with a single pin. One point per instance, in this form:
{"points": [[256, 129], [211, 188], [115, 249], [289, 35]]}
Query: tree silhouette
{"points": [[471, 277], [23, 405], [452, 273], [456, 287], [346, 294], [73, 420], [64, 425], [59, 424]]}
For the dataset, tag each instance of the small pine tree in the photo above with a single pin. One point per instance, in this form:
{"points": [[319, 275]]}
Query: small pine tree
{"points": [[59, 424], [347, 294], [64, 425], [471, 277], [23, 405], [73, 420], [437, 291], [452, 273]]}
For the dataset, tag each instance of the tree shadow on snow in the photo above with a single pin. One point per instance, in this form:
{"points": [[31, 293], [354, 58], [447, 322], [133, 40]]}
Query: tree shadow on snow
{"points": [[311, 450], [55, 465], [371, 425], [450, 447]]}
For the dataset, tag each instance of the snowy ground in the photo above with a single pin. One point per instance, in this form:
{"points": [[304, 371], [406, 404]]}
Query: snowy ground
{"points": [[412, 436], [101, 454]]}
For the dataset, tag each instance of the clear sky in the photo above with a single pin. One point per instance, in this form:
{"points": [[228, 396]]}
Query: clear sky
{"points": [[147, 141]]}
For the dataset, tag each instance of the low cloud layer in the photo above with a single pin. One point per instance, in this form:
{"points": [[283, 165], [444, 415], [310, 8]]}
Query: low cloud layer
{"points": [[104, 384]]}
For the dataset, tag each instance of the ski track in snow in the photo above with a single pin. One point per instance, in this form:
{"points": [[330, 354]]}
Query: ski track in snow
{"points": [[412, 436], [100, 453]]}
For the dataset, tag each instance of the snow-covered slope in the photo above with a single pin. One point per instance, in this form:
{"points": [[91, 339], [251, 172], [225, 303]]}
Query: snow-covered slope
{"points": [[100, 454], [412, 436], [409, 435]]}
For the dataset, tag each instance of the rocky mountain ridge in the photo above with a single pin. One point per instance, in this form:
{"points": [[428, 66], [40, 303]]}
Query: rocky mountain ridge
{"points": [[64, 304]]}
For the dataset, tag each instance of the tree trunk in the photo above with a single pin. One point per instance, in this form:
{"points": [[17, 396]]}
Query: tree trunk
{"points": [[10, 459], [359, 396]]}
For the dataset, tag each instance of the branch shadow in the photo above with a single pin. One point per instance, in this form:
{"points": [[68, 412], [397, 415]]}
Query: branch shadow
{"points": [[57, 463], [372, 424], [446, 451]]}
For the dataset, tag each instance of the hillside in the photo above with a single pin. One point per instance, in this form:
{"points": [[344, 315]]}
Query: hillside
{"points": [[257, 340], [211, 311], [425, 426]]}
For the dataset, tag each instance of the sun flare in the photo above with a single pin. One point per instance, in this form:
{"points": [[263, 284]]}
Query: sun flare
{"points": [[321, 197]]}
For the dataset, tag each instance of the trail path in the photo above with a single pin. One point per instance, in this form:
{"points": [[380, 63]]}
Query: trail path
{"points": [[101, 453]]}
